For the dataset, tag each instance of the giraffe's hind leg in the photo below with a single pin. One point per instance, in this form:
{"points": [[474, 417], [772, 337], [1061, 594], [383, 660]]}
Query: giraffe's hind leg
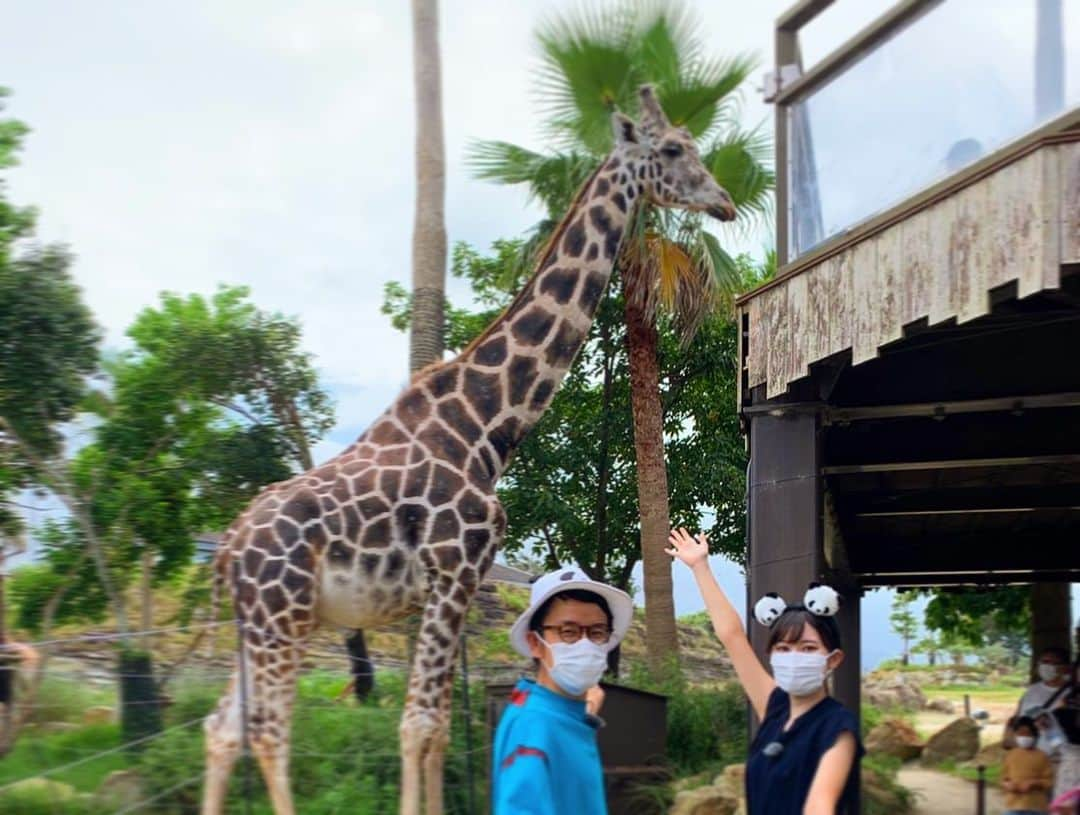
{"points": [[224, 738]]}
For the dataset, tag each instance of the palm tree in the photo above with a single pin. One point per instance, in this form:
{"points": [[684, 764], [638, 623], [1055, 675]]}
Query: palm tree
{"points": [[673, 273], [429, 226]]}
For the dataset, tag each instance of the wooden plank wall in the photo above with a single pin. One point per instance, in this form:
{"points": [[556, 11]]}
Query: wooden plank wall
{"points": [[1019, 223]]}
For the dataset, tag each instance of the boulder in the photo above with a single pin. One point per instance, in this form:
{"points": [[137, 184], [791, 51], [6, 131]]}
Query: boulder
{"points": [[705, 801], [120, 789], [894, 691], [881, 794], [894, 737], [725, 796], [957, 741], [941, 705], [40, 789], [98, 714]]}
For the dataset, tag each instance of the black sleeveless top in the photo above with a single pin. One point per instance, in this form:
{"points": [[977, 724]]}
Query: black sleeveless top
{"points": [[778, 779]]}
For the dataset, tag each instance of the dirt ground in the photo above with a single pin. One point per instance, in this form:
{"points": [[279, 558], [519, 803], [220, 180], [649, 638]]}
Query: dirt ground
{"points": [[941, 794]]}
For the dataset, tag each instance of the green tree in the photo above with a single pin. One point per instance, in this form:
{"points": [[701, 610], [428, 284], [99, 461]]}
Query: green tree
{"points": [[672, 270], [980, 616], [571, 491], [929, 645], [904, 623]]}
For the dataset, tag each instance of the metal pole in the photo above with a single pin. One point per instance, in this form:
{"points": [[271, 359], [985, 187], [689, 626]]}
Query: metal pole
{"points": [[1049, 59], [470, 795], [980, 792]]}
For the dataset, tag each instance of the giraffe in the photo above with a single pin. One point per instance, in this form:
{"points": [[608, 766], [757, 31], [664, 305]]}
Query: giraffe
{"points": [[406, 519]]}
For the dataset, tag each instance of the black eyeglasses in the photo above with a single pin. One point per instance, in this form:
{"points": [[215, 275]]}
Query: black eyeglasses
{"points": [[572, 632]]}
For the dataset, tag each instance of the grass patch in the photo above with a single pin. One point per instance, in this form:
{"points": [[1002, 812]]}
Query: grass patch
{"points": [[514, 599], [997, 692], [34, 754], [64, 700]]}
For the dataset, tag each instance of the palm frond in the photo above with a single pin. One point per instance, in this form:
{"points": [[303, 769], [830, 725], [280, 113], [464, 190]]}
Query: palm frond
{"points": [[552, 179], [739, 161]]}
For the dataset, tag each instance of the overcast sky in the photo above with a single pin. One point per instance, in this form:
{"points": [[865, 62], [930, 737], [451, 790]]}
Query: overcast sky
{"points": [[269, 143]]}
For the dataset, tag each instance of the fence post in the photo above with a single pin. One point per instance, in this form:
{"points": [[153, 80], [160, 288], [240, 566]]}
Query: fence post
{"points": [[967, 705], [980, 792], [470, 797]]}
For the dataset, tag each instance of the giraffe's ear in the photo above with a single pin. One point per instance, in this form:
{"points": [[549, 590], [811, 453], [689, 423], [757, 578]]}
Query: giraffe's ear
{"points": [[624, 128]]}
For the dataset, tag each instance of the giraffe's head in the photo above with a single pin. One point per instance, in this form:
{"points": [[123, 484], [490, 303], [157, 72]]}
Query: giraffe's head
{"points": [[667, 163]]}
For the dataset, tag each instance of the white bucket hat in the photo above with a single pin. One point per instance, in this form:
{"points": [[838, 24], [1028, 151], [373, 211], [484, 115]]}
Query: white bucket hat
{"points": [[622, 607]]}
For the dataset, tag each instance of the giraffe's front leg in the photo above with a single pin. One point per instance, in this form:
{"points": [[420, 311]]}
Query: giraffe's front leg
{"points": [[425, 726]]}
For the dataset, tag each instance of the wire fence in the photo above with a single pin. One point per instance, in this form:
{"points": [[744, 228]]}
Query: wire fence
{"points": [[79, 702]]}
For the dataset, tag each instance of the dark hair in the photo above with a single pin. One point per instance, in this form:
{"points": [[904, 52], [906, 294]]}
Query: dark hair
{"points": [[581, 595], [1055, 651], [789, 627], [1023, 721]]}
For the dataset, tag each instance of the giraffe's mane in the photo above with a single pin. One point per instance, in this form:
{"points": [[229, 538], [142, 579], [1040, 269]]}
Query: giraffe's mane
{"points": [[541, 259]]}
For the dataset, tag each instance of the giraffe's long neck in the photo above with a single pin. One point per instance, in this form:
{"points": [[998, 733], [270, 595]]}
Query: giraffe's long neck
{"points": [[512, 372]]}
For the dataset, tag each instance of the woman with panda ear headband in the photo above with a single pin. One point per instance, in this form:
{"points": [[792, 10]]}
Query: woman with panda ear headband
{"points": [[804, 757]]}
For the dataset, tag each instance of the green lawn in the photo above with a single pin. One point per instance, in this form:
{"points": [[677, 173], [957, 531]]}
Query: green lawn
{"points": [[35, 753]]}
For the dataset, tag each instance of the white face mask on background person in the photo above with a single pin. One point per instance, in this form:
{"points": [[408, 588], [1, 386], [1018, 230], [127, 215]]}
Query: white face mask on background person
{"points": [[577, 666], [1048, 672], [1027, 742], [799, 674]]}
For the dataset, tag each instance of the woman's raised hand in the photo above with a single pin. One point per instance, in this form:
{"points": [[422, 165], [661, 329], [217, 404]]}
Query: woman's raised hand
{"points": [[687, 548]]}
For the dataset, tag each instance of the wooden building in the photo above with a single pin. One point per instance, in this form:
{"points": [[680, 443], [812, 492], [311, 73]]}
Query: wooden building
{"points": [[910, 382]]}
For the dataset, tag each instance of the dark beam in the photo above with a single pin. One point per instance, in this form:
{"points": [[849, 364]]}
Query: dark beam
{"points": [[952, 464], [914, 579], [970, 499]]}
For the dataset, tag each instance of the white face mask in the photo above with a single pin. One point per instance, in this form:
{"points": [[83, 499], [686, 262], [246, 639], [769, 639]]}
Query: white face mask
{"points": [[577, 666], [1048, 672], [1027, 742], [799, 674]]}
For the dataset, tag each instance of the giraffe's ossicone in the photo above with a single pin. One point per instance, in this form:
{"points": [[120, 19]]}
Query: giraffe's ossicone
{"points": [[407, 519]]}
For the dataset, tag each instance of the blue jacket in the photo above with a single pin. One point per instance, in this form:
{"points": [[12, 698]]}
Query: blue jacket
{"points": [[545, 759]]}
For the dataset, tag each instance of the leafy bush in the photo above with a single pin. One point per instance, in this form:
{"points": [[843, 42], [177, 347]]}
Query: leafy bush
{"points": [[34, 753], [64, 700], [707, 725]]}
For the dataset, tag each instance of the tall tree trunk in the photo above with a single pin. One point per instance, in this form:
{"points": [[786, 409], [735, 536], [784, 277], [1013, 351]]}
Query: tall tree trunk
{"points": [[661, 634], [429, 226]]}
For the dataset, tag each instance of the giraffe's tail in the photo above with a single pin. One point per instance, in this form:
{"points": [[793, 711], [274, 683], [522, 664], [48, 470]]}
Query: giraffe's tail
{"points": [[360, 665]]}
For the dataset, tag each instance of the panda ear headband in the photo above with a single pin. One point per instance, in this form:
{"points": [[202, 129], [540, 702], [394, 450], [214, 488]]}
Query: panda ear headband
{"points": [[820, 600]]}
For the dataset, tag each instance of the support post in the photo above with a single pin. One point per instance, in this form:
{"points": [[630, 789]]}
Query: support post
{"points": [[784, 547]]}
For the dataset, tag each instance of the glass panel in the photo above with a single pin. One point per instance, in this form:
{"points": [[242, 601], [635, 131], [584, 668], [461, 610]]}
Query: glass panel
{"points": [[955, 84]]}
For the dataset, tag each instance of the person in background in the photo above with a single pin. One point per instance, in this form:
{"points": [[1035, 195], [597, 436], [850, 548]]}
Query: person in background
{"points": [[804, 758], [1026, 774], [545, 758], [1067, 718], [1047, 693]]}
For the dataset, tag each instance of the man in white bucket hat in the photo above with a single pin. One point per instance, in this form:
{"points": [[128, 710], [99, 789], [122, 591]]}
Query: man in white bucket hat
{"points": [[545, 759]]}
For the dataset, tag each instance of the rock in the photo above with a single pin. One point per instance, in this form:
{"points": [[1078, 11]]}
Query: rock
{"points": [[884, 796], [120, 789], [98, 714], [704, 801], [894, 737], [957, 741], [43, 789], [894, 691], [941, 705]]}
